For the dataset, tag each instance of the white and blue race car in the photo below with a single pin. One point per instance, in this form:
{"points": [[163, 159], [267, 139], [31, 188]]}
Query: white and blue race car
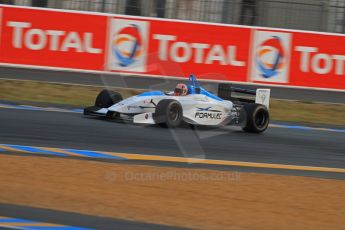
{"points": [[188, 104]]}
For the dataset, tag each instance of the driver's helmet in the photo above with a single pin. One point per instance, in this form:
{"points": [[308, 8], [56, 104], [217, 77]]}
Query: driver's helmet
{"points": [[181, 90]]}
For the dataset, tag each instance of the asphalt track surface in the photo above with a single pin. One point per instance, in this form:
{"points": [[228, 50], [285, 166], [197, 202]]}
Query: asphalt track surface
{"points": [[71, 219], [155, 83], [276, 146]]}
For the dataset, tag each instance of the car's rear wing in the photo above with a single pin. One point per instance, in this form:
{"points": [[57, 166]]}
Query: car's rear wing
{"points": [[263, 97], [242, 95]]}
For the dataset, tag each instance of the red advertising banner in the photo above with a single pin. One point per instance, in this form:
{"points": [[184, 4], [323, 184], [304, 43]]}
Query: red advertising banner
{"points": [[172, 48], [301, 59], [210, 51], [226, 53], [161, 47], [318, 60], [55, 39]]}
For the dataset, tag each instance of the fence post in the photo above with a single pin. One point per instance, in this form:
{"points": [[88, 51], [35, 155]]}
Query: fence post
{"points": [[103, 6], [226, 11], [40, 3]]}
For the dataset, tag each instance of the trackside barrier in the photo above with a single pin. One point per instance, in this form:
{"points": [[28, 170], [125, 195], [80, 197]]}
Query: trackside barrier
{"points": [[148, 46]]}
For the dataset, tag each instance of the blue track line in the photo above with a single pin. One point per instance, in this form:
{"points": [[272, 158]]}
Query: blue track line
{"points": [[61, 152], [94, 154], [23, 224], [35, 150], [14, 220]]}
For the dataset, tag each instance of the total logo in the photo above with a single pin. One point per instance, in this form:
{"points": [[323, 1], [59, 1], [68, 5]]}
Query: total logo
{"points": [[128, 45], [271, 47], [25, 36], [270, 59]]}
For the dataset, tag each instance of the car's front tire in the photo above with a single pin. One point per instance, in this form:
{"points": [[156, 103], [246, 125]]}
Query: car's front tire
{"points": [[107, 98], [168, 113]]}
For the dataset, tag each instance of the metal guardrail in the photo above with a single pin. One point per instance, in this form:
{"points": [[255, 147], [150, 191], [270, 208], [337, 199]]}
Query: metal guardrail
{"points": [[316, 15]]}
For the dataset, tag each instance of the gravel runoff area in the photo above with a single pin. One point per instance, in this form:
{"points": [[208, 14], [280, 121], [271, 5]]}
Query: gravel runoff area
{"points": [[184, 197]]}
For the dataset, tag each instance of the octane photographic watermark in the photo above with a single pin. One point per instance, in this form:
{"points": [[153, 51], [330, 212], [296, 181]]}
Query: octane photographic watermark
{"points": [[172, 175]]}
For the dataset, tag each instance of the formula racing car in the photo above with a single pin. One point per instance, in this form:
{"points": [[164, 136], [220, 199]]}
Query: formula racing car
{"points": [[189, 103]]}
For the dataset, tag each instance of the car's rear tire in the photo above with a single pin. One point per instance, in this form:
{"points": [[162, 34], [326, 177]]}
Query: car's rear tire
{"points": [[168, 113], [107, 98], [256, 118]]}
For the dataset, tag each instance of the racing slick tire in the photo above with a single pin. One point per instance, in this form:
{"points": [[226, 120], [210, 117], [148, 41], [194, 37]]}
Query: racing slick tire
{"points": [[107, 98], [256, 118], [168, 113]]}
